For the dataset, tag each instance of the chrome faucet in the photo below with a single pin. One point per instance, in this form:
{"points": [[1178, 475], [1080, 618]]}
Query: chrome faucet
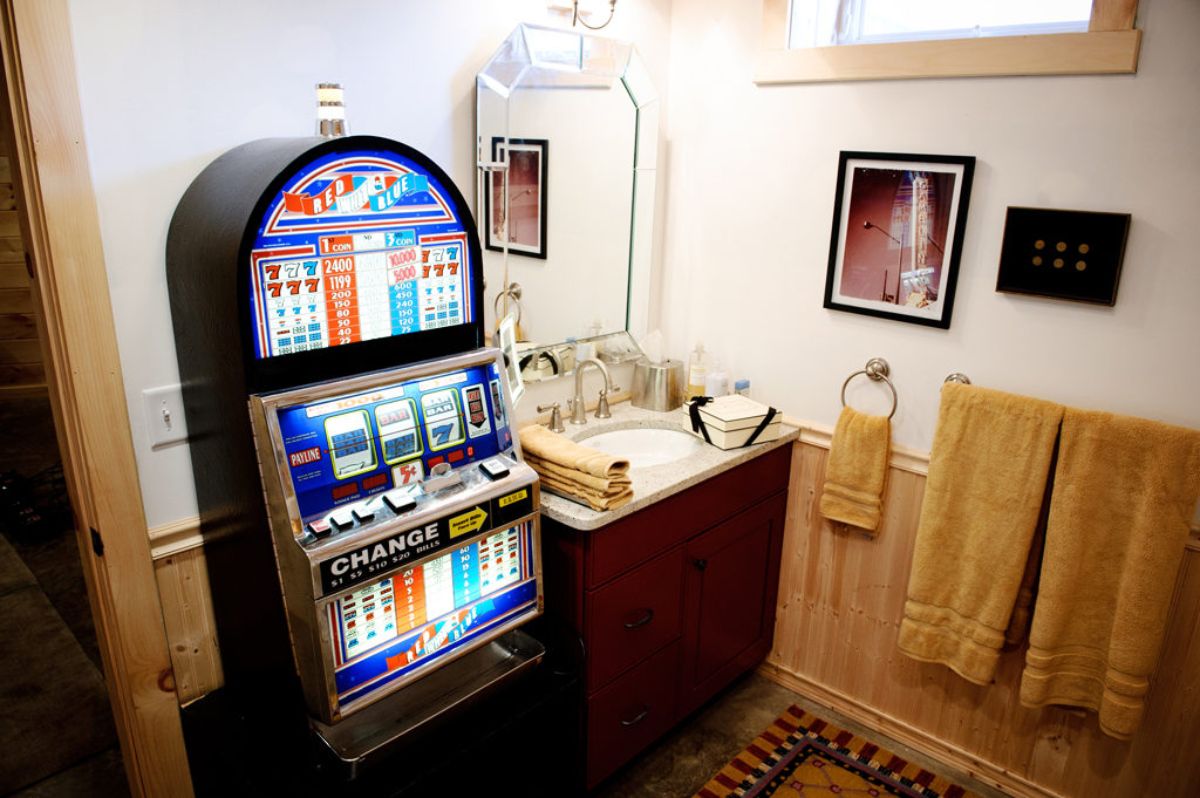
{"points": [[577, 405]]}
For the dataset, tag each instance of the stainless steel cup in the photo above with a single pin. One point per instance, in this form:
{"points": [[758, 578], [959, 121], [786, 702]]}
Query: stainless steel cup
{"points": [[657, 386]]}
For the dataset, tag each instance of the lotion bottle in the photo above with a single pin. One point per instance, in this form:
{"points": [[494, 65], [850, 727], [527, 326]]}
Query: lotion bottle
{"points": [[697, 371]]}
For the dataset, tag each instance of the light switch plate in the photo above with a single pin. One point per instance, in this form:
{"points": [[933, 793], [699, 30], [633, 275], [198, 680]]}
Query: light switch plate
{"points": [[165, 421]]}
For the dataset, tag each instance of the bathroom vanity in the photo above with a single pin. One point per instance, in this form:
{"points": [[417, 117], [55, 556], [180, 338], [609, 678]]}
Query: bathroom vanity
{"points": [[674, 594]]}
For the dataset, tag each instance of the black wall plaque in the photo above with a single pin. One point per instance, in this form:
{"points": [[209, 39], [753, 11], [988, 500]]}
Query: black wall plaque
{"points": [[1063, 254]]}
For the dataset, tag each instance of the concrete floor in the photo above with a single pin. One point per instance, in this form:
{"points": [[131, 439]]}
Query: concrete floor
{"points": [[683, 761], [55, 722]]}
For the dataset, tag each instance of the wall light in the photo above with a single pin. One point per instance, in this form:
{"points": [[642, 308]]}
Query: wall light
{"points": [[579, 9]]}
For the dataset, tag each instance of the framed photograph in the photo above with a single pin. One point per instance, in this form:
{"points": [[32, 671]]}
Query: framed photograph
{"points": [[898, 224], [517, 216], [1074, 255]]}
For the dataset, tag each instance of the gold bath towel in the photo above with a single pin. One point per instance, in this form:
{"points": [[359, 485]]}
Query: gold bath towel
{"points": [[542, 443], [857, 469], [1124, 493], [987, 477]]}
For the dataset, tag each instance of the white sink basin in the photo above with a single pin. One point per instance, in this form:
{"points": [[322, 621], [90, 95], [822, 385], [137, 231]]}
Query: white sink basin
{"points": [[646, 447]]}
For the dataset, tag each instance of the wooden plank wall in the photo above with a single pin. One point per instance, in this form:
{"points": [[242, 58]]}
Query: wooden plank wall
{"points": [[840, 602], [20, 353], [188, 616]]}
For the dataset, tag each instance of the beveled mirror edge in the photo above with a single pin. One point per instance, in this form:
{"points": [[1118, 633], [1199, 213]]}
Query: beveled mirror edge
{"points": [[635, 78]]}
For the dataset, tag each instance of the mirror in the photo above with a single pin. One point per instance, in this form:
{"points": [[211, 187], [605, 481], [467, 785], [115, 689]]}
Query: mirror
{"points": [[566, 145]]}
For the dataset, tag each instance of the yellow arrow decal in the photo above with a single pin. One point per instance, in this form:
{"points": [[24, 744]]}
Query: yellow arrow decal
{"points": [[467, 523]]}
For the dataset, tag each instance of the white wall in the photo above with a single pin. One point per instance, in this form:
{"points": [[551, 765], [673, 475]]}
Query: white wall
{"points": [[751, 188], [168, 85]]}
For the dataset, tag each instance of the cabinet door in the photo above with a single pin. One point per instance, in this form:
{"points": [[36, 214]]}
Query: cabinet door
{"points": [[729, 598]]}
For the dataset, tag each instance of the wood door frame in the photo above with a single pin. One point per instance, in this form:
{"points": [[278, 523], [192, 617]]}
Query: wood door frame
{"points": [[61, 226]]}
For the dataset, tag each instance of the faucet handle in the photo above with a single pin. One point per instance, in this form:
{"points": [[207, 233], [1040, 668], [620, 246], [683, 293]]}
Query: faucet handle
{"points": [[602, 410], [555, 424]]}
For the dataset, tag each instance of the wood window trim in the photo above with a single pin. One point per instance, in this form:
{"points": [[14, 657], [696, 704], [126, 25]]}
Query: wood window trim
{"points": [[1109, 47]]}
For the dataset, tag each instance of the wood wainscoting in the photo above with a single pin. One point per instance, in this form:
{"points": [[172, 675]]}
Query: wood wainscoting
{"points": [[841, 597], [183, 587]]}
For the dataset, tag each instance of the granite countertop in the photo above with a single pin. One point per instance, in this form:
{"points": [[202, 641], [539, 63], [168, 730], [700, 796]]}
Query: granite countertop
{"points": [[653, 483]]}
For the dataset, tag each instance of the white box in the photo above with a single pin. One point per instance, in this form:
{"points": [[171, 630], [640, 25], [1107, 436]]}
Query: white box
{"points": [[731, 420]]}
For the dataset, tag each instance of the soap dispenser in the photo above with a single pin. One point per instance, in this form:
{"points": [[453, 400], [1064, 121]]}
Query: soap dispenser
{"points": [[697, 371]]}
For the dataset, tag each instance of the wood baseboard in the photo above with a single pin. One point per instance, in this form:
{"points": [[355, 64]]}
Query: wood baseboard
{"points": [[951, 755]]}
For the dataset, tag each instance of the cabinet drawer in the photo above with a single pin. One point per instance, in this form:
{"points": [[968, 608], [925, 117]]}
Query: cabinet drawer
{"points": [[632, 617], [631, 713], [634, 539]]}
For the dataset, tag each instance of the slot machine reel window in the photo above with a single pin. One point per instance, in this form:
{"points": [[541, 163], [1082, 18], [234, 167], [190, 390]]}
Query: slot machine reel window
{"points": [[359, 246], [345, 449]]}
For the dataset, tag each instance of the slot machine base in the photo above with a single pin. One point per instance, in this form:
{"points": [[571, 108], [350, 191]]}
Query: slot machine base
{"points": [[353, 745]]}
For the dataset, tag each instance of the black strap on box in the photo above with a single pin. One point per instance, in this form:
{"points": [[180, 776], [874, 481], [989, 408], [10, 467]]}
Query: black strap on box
{"points": [[699, 426]]}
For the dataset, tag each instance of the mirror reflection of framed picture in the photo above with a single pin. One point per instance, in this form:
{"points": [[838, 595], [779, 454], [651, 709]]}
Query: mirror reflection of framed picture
{"points": [[518, 217], [898, 224]]}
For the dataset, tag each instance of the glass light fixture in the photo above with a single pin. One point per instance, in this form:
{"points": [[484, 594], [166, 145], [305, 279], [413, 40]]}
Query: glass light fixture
{"points": [[589, 10]]}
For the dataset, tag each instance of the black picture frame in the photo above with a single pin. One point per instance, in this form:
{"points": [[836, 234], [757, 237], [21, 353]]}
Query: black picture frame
{"points": [[898, 224], [525, 225], [1063, 254]]}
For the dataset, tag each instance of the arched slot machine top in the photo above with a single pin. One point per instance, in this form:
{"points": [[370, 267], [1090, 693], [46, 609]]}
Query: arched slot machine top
{"points": [[320, 258]]}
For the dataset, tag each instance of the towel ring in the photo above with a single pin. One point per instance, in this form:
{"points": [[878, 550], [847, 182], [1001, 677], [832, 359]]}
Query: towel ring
{"points": [[877, 369], [513, 292], [958, 377]]}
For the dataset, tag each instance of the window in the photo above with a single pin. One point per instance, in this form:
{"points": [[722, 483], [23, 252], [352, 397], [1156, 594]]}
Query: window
{"points": [[812, 40], [817, 23]]}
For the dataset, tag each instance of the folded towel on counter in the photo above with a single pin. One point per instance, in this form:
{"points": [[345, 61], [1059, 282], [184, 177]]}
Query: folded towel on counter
{"points": [[600, 484], [577, 492], [540, 442], [1124, 493], [576, 472], [987, 476], [857, 469]]}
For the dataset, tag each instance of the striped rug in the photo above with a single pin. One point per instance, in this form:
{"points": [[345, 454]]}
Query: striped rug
{"points": [[802, 756]]}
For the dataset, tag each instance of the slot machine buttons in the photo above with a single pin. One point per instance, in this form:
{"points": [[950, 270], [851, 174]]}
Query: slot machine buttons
{"points": [[362, 513], [341, 520], [494, 468], [398, 501], [319, 528]]}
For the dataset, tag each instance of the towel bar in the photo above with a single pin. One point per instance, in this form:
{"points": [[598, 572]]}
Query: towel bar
{"points": [[957, 376], [877, 369]]}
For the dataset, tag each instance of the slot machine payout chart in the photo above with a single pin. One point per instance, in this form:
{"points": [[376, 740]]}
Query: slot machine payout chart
{"points": [[389, 626], [361, 248]]}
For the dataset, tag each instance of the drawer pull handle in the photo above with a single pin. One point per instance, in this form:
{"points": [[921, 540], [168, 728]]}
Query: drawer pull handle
{"points": [[636, 719], [645, 619], [700, 564]]}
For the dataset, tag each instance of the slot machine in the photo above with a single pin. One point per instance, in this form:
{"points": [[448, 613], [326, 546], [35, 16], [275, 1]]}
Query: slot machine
{"points": [[355, 468]]}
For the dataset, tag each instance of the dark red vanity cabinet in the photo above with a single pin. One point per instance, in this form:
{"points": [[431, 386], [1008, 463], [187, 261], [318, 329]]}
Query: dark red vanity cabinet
{"points": [[673, 602]]}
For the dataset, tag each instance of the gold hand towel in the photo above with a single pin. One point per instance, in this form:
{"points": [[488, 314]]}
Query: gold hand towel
{"points": [[599, 484], [857, 469], [987, 477], [1124, 493], [581, 494], [540, 442]]}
